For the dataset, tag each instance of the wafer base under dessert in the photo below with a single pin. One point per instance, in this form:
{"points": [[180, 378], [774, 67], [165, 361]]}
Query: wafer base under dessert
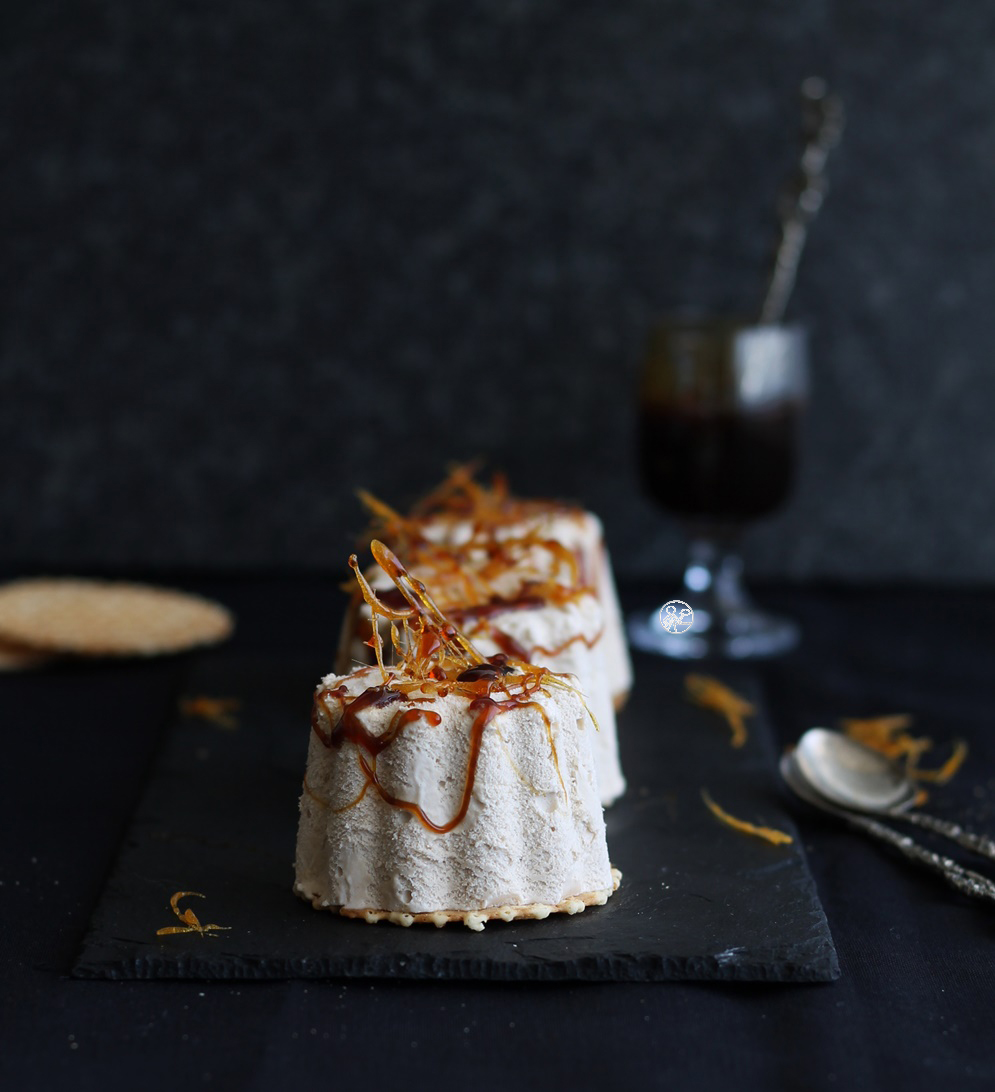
{"points": [[472, 919]]}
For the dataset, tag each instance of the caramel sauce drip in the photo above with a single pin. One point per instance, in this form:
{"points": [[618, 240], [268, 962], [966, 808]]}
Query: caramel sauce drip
{"points": [[590, 642], [509, 645], [495, 605], [491, 671], [350, 728], [349, 725], [436, 659]]}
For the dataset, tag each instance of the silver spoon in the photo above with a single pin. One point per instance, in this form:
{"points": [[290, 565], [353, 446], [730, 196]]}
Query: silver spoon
{"points": [[858, 778], [961, 879]]}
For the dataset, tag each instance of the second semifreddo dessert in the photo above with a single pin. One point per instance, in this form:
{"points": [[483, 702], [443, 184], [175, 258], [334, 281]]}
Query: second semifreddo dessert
{"points": [[526, 577]]}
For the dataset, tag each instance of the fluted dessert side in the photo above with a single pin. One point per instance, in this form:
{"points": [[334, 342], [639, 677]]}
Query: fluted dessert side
{"points": [[533, 831]]}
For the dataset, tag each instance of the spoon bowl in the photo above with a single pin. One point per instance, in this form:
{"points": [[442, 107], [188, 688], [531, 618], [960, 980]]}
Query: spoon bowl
{"points": [[839, 774], [851, 775]]}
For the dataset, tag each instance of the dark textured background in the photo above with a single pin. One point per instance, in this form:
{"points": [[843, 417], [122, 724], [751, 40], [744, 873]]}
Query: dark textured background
{"points": [[257, 254]]}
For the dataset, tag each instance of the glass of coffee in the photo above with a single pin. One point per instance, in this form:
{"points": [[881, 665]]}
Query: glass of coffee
{"points": [[719, 409]]}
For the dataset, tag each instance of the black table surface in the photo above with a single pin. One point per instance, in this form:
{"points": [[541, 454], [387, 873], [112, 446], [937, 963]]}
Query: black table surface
{"points": [[913, 1005]]}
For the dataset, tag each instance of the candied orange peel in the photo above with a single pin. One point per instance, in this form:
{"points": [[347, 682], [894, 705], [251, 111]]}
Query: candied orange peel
{"points": [[889, 735], [191, 923], [219, 711], [710, 693], [768, 834]]}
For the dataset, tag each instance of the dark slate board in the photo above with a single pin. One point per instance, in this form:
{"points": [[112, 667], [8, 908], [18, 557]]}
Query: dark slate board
{"points": [[698, 900]]}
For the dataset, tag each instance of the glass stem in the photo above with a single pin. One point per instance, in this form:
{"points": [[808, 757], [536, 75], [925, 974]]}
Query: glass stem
{"points": [[713, 577]]}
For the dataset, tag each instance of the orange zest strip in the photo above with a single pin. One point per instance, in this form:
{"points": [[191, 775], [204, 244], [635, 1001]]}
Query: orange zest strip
{"points": [[191, 923], [460, 493], [886, 734], [947, 770], [889, 736], [709, 693], [386, 519], [768, 834], [220, 711], [379, 508]]}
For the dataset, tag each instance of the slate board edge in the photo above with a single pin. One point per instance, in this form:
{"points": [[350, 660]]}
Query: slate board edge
{"points": [[97, 959], [604, 969]]}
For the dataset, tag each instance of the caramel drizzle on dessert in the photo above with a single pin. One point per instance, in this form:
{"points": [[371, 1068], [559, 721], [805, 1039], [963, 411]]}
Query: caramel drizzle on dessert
{"points": [[466, 577], [434, 658]]}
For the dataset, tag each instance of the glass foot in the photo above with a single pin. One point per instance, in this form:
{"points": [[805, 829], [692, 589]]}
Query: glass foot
{"points": [[740, 635]]}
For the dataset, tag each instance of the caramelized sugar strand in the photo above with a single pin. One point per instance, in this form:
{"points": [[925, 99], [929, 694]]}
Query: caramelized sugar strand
{"points": [[434, 658], [467, 589]]}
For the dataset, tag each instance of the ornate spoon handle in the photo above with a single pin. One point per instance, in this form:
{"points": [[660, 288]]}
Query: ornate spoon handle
{"points": [[822, 125], [958, 877], [977, 843]]}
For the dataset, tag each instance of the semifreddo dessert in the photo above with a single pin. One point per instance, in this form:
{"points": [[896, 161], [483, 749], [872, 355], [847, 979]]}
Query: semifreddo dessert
{"points": [[448, 786], [461, 512], [529, 578]]}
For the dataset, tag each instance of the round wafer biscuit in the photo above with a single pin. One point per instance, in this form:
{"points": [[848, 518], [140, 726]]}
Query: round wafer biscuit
{"points": [[472, 919], [106, 618]]}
